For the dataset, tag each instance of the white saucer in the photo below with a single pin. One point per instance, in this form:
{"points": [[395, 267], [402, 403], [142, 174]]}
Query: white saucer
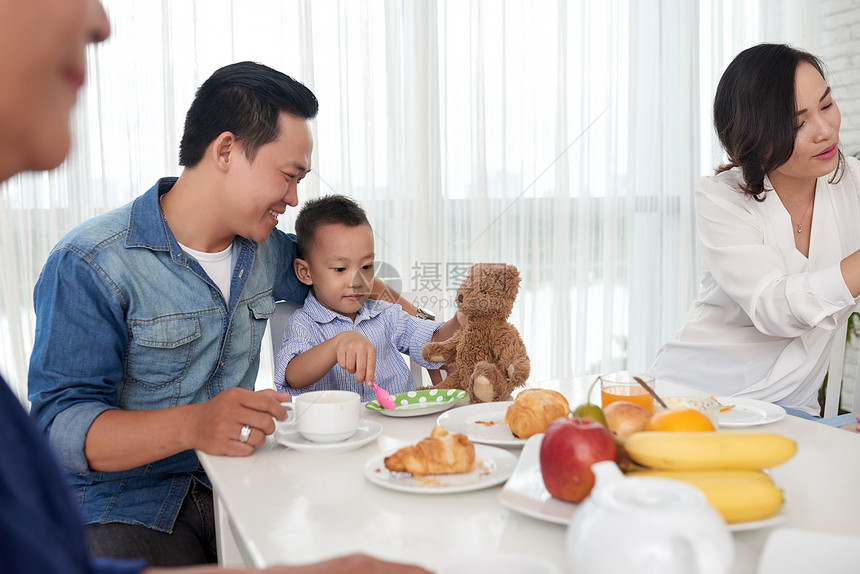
{"points": [[367, 431]]}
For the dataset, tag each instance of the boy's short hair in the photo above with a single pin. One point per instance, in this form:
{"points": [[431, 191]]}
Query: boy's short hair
{"points": [[325, 210], [246, 99]]}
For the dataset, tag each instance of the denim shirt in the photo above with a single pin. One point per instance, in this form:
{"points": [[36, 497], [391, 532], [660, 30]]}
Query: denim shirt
{"points": [[126, 320]]}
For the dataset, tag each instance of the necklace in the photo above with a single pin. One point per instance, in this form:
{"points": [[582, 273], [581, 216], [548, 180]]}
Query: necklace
{"points": [[164, 215], [799, 227]]}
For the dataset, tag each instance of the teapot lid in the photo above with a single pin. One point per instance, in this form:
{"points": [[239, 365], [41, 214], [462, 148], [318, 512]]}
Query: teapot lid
{"points": [[649, 494]]}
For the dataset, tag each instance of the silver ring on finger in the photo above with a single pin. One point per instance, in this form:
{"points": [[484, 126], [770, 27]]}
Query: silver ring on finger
{"points": [[245, 434]]}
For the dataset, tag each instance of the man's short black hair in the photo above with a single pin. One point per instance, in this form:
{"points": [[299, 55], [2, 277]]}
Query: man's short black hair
{"points": [[246, 99]]}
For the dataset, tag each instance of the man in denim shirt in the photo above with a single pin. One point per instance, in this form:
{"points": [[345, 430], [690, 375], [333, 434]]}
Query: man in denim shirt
{"points": [[150, 318], [42, 67]]}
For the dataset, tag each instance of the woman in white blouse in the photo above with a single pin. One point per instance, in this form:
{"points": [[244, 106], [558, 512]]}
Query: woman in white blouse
{"points": [[778, 235]]}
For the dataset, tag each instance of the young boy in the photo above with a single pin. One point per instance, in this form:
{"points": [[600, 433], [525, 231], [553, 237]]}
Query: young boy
{"points": [[340, 339]]}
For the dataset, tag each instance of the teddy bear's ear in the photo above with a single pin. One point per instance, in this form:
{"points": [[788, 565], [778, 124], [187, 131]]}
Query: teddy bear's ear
{"points": [[512, 277]]}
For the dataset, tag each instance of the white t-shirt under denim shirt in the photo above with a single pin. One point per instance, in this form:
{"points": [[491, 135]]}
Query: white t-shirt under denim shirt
{"points": [[218, 266]]}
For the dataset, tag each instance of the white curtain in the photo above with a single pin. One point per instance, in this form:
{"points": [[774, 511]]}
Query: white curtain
{"points": [[562, 137]]}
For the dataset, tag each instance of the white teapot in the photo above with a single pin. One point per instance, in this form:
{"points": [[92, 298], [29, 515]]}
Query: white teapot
{"points": [[647, 526]]}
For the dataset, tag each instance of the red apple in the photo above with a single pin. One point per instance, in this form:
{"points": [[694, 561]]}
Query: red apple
{"points": [[569, 448]]}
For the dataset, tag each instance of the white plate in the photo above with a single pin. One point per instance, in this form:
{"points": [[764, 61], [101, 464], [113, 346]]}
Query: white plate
{"points": [[748, 412], [483, 422], [492, 466], [525, 493], [367, 431], [778, 518], [420, 402]]}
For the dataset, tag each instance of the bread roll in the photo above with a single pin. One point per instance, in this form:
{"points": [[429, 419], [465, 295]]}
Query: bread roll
{"points": [[533, 410]]}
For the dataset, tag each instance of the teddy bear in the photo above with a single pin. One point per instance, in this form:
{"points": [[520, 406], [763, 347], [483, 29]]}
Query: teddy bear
{"points": [[490, 356]]}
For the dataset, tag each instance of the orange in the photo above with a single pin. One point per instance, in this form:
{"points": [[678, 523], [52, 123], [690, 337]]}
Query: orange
{"points": [[684, 420]]}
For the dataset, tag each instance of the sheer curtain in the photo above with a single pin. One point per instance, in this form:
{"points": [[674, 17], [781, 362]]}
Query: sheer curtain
{"points": [[562, 137]]}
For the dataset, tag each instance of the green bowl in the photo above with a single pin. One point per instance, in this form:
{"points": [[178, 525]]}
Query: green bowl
{"points": [[421, 400]]}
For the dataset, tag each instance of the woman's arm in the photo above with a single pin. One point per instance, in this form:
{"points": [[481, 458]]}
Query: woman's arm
{"points": [[850, 268], [744, 248]]}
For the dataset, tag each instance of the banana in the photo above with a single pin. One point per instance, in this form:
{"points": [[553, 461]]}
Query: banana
{"points": [[740, 500], [695, 476], [709, 451], [738, 495]]}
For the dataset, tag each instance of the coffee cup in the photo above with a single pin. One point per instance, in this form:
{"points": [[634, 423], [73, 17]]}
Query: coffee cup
{"points": [[324, 416]]}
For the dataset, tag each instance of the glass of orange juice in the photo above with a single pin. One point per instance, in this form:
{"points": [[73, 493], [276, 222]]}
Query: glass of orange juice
{"points": [[621, 386]]}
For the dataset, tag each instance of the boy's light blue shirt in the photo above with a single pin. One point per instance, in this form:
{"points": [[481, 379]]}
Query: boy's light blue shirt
{"points": [[387, 326], [126, 320]]}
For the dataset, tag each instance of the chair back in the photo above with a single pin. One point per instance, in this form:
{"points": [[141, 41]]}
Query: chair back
{"points": [[283, 311], [843, 377]]}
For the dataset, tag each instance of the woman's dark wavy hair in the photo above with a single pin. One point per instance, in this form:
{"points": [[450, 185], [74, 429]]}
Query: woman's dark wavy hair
{"points": [[245, 98], [755, 112]]}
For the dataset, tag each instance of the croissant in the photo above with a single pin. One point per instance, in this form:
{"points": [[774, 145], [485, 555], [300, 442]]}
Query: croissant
{"points": [[441, 453], [533, 410]]}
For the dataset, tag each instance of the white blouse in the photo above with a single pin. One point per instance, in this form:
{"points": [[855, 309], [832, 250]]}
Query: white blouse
{"points": [[765, 316]]}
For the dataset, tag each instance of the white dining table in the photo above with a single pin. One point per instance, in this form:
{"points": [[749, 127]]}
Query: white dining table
{"points": [[281, 506]]}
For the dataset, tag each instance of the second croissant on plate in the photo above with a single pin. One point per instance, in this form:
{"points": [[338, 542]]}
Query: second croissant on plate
{"points": [[533, 410]]}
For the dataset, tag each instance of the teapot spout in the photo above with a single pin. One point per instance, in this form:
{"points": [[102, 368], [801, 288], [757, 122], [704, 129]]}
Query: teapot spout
{"points": [[605, 472]]}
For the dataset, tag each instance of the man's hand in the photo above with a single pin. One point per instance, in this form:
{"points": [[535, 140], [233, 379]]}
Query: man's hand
{"points": [[461, 321], [357, 355], [121, 440], [218, 422], [436, 374], [352, 564]]}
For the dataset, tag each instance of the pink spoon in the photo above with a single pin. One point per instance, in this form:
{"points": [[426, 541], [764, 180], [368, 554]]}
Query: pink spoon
{"points": [[383, 398]]}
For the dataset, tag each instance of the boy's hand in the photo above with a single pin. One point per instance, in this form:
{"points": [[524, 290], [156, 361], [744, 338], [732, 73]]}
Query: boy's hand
{"points": [[357, 355]]}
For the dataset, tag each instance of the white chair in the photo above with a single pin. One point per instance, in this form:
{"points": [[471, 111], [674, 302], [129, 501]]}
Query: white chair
{"points": [[278, 322], [841, 376]]}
